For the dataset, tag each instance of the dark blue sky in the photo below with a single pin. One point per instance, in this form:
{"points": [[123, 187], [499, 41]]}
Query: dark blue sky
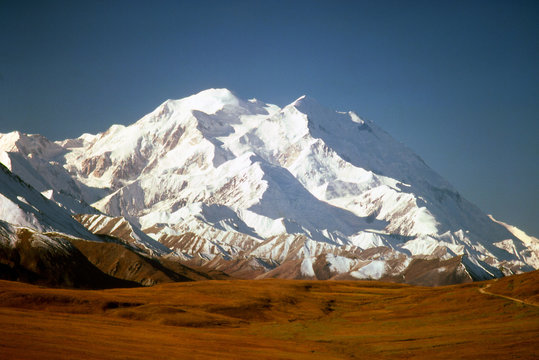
{"points": [[457, 81]]}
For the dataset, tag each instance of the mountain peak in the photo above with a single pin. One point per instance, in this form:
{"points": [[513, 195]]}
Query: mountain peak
{"points": [[309, 106], [8, 141], [216, 92], [210, 101], [305, 100], [29, 144]]}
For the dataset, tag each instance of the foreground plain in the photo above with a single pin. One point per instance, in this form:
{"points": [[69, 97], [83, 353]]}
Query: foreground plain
{"points": [[273, 319]]}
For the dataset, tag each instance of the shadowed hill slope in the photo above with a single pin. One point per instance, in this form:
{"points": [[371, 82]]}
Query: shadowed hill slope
{"points": [[58, 260], [119, 261], [51, 260]]}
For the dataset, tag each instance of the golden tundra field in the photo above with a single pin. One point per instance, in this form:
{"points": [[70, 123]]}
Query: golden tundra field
{"points": [[273, 319]]}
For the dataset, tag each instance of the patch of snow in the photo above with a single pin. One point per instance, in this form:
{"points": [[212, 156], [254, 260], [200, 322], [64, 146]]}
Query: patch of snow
{"points": [[340, 264], [373, 270], [307, 267]]}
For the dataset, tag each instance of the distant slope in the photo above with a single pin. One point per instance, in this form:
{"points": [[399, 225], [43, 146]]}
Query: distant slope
{"points": [[531, 241]]}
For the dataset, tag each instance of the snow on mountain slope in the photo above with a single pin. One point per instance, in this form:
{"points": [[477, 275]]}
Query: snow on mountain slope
{"points": [[294, 189], [69, 203], [530, 251], [40, 163], [22, 205], [50, 211]]}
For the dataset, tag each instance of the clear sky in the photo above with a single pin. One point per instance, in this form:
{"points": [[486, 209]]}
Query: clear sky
{"points": [[457, 81]]}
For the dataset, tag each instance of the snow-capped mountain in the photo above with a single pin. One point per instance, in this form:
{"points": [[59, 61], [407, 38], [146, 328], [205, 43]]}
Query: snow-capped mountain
{"points": [[258, 190]]}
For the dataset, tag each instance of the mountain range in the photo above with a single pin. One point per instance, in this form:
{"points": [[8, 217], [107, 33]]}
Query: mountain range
{"points": [[221, 185]]}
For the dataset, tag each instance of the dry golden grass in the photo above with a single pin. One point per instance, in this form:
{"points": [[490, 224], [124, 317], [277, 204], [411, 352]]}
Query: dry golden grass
{"points": [[270, 319], [523, 286]]}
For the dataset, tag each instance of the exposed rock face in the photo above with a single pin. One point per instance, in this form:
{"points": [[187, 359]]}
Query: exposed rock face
{"points": [[96, 166]]}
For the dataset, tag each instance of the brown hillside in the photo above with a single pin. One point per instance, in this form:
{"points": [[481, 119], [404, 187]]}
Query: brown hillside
{"points": [[523, 286], [51, 260], [123, 263]]}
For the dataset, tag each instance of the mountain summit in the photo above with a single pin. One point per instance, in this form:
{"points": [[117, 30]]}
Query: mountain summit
{"points": [[260, 191]]}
